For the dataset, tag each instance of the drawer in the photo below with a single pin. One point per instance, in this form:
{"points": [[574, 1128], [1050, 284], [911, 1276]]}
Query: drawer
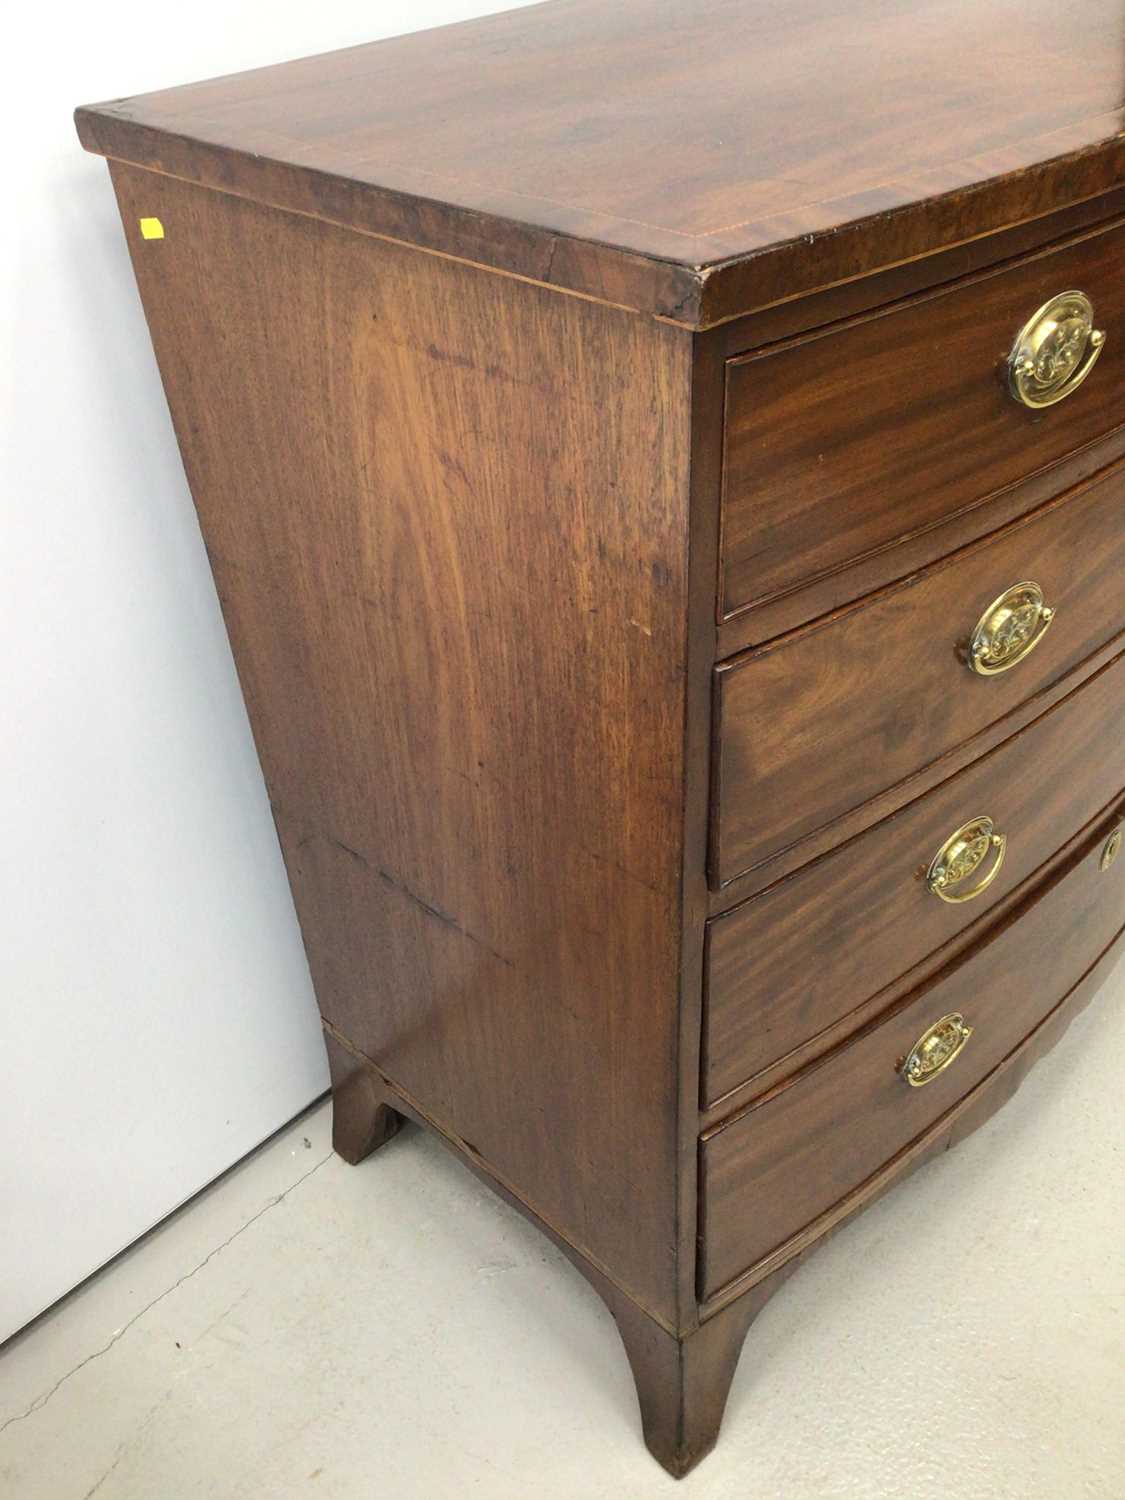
{"points": [[793, 964], [840, 442], [769, 1174], [816, 724]]}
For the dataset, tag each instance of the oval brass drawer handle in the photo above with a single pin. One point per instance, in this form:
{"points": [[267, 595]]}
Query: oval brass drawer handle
{"points": [[935, 1049], [1055, 350], [1010, 629], [961, 856], [1111, 850]]}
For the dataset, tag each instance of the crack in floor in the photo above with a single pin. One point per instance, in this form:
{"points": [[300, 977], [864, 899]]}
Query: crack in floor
{"points": [[41, 1401], [130, 1443], [122, 1449]]}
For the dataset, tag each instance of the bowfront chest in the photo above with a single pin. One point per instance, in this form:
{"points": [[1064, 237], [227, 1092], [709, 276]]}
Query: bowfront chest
{"points": [[663, 473]]}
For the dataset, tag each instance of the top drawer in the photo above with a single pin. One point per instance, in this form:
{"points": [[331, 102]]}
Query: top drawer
{"points": [[842, 441]]}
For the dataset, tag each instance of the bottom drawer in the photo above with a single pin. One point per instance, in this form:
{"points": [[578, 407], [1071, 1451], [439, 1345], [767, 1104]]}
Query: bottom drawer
{"points": [[770, 1172]]}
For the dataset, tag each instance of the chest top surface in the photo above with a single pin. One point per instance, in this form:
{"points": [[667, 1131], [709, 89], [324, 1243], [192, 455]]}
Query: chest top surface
{"points": [[690, 159]]}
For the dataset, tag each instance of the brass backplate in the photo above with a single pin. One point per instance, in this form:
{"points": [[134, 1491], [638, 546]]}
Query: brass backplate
{"points": [[1112, 849]]}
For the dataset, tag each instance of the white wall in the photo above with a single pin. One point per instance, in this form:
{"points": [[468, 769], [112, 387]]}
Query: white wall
{"points": [[156, 1016]]}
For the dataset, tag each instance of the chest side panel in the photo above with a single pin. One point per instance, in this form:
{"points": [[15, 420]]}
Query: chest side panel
{"points": [[447, 517]]}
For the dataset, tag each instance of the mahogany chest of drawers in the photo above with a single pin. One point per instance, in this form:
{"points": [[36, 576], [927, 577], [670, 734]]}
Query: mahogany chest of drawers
{"points": [[663, 472]]}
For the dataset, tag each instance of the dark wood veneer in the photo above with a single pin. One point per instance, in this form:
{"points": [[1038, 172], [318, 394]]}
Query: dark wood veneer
{"points": [[901, 558], [843, 441], [812, 727], [618, 151], [788, 968], [808, 1144], [445, 325], [972, 1110], [487, 866]]}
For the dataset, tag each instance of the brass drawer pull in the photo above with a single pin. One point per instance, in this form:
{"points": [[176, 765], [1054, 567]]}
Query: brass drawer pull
{"points": [[1055, 350], [961, 856], [1010, 629], [935, 1049], [1111, 850]]}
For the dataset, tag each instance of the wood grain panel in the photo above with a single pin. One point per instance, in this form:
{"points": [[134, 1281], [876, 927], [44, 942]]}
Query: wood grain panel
{"points": [[904, 556], [447, 515], [824, 720], [789, 968], [618, 151], [850, 299], [969, 1114], [846, 441], [773, 1170]]}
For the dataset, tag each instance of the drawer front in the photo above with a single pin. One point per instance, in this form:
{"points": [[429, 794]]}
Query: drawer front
{"points": [[768, 1175], [789, 966], [841, 442], [814, 726]]}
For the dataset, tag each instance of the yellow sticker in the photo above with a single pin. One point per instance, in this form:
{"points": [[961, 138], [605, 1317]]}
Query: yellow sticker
{"points": [[152, 229]]}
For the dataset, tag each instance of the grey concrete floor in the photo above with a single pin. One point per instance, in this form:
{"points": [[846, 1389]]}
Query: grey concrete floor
{"points": [[309, 1329]]}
